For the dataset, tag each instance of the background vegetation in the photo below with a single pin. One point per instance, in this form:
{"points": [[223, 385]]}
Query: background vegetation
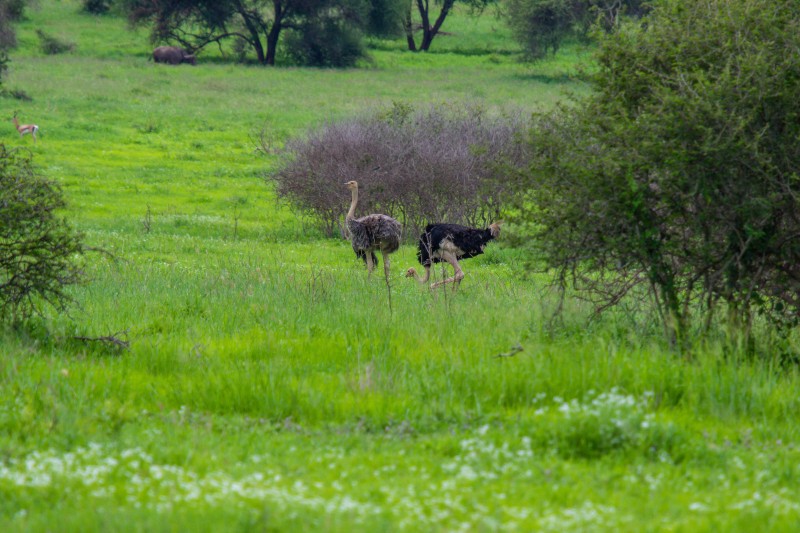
{"points": [[266, 384], [417, 165]]}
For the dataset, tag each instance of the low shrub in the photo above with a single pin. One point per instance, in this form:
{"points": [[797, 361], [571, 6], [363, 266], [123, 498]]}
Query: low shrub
{"points": [[438, 164], [53, 46], [38, 250]]}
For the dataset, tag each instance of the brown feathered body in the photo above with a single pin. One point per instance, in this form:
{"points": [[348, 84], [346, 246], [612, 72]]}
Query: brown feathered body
{"points": [[372, 233]]}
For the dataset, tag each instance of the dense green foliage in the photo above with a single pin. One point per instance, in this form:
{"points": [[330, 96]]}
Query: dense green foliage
{"points": [[97, 7], [680, 172], [328, 39], [322, 32], [38, 249], [540, 26], [268, 387], [7, 35]]}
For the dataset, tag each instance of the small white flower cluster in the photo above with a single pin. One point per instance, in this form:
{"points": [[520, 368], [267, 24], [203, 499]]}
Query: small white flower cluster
{"points": [[782, 502], [588, 517], [483, 459], [598, 423], [134, 478], [603, 404], [430, 498]]}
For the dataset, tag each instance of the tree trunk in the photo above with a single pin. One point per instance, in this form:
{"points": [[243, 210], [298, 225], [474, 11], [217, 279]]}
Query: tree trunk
{"points": [[259, 49], [409, 30], [428, 31], [255, 34], [272, 43], [274, 32]]}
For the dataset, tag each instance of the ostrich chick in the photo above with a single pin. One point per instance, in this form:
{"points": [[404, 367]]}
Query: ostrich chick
{"points": [[372, 232], [450, 243]]}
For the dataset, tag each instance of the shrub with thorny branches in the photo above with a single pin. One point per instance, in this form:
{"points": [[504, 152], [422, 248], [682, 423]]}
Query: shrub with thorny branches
{"points": [[39, 250], [439, 164]]}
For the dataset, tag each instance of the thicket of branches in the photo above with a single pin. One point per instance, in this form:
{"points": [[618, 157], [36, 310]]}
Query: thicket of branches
{"points": [[680, 173], [38, 249], [419, 166]]}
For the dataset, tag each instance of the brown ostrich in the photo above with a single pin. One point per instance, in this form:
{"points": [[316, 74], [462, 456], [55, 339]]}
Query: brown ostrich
{"points": [[370, 233], [450, 243]]}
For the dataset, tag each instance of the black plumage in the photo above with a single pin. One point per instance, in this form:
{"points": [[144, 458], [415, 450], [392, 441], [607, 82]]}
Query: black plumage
{"points": [[451, 243], [469, 242]]}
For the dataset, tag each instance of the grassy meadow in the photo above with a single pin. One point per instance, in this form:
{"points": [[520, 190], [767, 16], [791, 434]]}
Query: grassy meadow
{"points": [[270, 387]]}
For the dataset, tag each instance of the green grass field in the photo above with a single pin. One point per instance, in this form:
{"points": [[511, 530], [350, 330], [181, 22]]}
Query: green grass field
{"points": [[270, 387]]}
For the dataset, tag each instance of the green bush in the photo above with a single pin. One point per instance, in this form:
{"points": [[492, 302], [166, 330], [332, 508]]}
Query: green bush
{"points": [[679, 173], [97, 7], [52, 46], [325, 42], [38, 250]]}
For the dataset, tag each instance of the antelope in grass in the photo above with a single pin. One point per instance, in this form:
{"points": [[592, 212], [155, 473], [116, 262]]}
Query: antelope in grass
{"points": [[25, 128]]}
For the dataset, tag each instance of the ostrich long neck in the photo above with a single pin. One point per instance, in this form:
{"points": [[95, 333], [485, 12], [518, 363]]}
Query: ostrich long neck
{"points": [[419, 278], [352, 213]]}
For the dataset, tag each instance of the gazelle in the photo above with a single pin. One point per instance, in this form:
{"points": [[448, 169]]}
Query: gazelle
{"points": [[25, 128]]}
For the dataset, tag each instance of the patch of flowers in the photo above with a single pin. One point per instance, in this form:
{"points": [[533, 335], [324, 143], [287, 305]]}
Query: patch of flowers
{"points": [[440, 496], [599, 424]]}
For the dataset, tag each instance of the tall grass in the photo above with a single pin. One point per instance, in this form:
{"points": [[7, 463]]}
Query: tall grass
{"points": [[269, 386]]}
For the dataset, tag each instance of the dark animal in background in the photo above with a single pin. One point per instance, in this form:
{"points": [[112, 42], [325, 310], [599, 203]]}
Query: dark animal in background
{"points": [[450, 243], [370, 233], [172, 55]]}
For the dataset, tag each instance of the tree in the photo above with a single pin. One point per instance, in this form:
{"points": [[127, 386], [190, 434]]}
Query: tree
{"points": [[10, 10], [680, 173], [430, 30], [258, 23], [97, 7], [541, 25], [38, 249]]}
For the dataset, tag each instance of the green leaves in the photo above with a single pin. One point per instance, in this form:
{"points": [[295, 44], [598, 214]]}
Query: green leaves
{"points": [[691, 141], [37, 248]]}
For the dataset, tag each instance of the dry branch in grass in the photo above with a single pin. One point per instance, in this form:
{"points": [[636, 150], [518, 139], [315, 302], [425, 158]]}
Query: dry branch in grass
{"points": [[113, 339]]}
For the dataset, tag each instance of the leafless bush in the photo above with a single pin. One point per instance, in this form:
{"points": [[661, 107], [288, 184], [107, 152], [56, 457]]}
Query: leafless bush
{"points": [[436, 164]]}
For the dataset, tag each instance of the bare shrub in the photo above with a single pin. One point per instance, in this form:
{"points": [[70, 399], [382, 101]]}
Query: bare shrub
{"points": [[436, 164]]}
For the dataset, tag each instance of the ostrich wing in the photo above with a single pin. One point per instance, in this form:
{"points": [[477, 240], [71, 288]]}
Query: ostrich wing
{"points": [[375, 231], [463, 241]]}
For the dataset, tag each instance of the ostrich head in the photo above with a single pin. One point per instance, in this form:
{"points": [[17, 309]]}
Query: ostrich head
{"points": [[352, 185], [495, 228], [411, 272]]}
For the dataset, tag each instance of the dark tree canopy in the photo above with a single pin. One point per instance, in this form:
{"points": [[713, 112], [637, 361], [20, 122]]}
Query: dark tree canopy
{"points": [[258, 23], [541, 25], [680, 173], [10, 10]]}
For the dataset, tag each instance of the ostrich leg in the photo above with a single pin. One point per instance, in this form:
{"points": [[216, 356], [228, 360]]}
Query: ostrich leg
{"points": [[458, 274], [385, 265], [370, 264]]}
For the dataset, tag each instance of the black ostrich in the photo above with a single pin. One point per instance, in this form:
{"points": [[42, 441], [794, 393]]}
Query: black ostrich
{"points": [[370, 233], [451, 243]]}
